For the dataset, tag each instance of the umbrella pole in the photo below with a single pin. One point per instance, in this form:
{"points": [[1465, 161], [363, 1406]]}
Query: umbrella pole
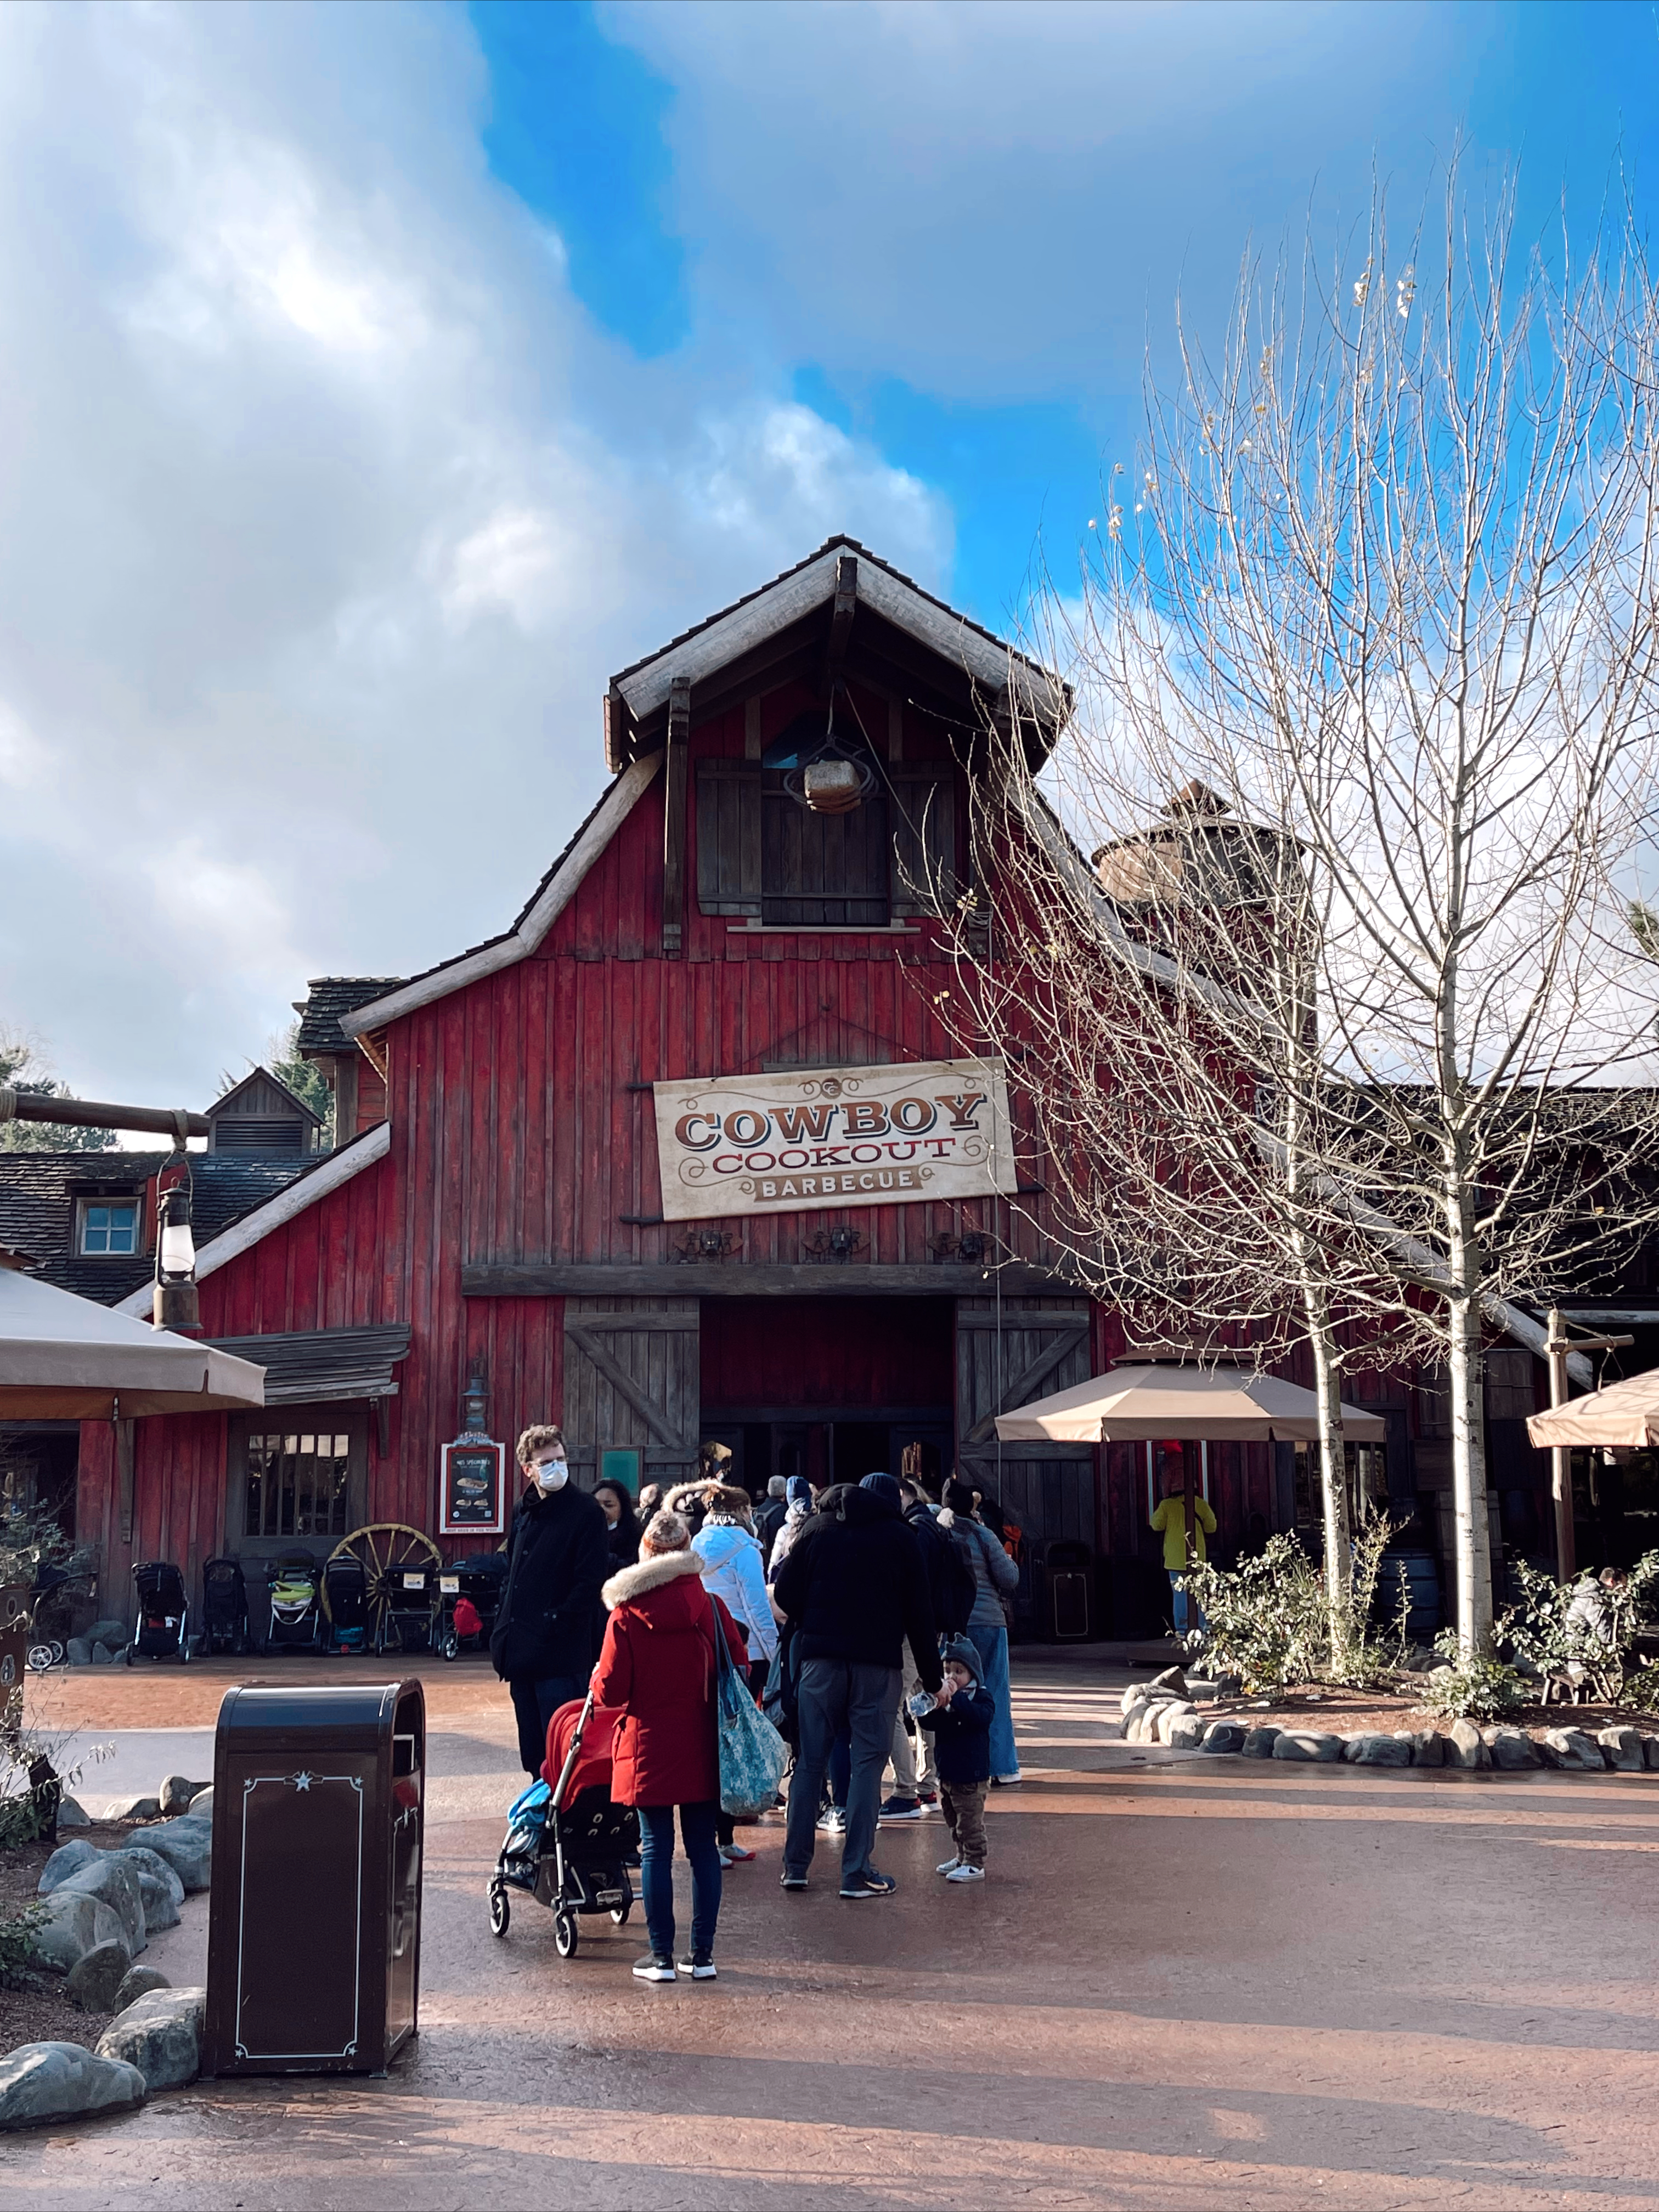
{"points": [[1566, 1562]]}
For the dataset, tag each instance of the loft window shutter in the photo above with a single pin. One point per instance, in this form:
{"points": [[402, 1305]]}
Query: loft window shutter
{"points": [[924, 843], [729, 836]]}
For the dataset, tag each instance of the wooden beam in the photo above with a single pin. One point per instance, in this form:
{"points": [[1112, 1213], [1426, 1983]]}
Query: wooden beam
{"points": [[123, 1459], [728, 1278], [673, 848], [1023, 1387], [620, 732], [620, 1380], [843, 608]]}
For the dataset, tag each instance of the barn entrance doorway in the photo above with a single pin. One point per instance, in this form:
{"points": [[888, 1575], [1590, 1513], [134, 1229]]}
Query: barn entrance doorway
{"points": [[834, 1389]]}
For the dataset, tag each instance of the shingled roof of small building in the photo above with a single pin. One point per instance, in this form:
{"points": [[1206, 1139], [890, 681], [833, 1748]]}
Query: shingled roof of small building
{"points": [[327, 998]]}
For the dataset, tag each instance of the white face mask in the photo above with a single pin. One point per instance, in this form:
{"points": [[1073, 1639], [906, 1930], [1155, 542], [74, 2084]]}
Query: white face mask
{"points": [[548, 1475]]}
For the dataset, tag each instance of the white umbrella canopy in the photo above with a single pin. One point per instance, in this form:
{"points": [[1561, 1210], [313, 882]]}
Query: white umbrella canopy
{"points": [[65, 1358], [1622, 1414], [1217, 1405]]}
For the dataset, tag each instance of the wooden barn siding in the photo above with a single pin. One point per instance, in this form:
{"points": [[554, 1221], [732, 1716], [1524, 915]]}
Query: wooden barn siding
{"points": [[834, 1351]]}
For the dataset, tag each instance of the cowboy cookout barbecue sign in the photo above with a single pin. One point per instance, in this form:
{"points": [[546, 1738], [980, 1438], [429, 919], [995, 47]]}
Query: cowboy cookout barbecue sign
{"points": [[851, 1136]]}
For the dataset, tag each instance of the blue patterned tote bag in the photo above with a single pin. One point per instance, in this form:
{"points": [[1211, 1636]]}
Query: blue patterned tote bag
{"points": [[753, 1755]]}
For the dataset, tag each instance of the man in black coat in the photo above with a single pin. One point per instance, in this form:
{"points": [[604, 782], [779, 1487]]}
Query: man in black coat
{"points": [[855, 1587], [558, 1558]]}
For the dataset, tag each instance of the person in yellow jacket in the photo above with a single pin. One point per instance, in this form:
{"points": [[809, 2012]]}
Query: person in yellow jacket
{"points": [[1169, 1519]]}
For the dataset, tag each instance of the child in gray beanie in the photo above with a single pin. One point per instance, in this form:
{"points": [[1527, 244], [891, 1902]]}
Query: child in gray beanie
{"points": [[960, 1717]]}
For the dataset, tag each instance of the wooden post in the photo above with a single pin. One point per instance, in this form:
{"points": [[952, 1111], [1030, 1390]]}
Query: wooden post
{"points": [[124, 1482], [674, 850]]}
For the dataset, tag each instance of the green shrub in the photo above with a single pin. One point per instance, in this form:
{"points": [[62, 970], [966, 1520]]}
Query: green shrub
{"points": [[1542, 1636], [1477, 1689], [17, 1933], [1270, 1621]]}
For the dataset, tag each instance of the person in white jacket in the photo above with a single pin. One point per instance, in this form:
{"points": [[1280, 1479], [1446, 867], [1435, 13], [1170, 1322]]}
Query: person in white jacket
{"points": [[733, 1570]]}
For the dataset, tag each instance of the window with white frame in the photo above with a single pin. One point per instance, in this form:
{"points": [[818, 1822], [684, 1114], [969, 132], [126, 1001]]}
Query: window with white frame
{"points": [[109, 1228]]}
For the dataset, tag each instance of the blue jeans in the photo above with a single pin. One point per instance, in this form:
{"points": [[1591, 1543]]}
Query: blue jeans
{"points": [[534, 1704], [657, 1875], [991, 1642], [840, 1697], [1186, 1609]]}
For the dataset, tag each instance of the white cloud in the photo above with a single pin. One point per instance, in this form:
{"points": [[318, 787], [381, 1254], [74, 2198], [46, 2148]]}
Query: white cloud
{"points": [[328, 515]]}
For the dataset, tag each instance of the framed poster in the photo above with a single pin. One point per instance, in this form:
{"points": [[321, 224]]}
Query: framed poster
{"points": [[472, 1488]]}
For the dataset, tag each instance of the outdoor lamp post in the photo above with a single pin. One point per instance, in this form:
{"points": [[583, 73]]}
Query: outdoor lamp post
{"points": [[175, 1305]]}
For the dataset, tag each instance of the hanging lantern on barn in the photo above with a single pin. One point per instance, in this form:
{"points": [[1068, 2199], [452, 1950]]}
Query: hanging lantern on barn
{"points": [[175, 1303]]}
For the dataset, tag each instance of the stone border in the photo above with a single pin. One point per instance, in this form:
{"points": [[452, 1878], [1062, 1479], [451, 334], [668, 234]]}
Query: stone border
{"points": [[1174, 1722]]}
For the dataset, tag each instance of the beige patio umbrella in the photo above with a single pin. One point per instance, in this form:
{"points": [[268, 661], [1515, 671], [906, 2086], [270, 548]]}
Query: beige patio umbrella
{"points": [[1216, 1405], [1622, 1414], [65, 1358]]}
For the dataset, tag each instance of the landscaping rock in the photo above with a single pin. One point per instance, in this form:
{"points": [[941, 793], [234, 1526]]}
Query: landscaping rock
{"points": [[101, 1656], [42, 2081], [1172, 1681], [161, 2036], [1466, 1746], [1135, 1694], [1223, 1736], [1512, 1748], [160, 1895], [96, 1977], [186, 1844], [132, 1809], [113, 1877], [1576, 1750], [67, 1859], [1622, 1749], [72, 1924], [1133, 1709], [1428, 1747], [140, 1981], [201, 1805], [1371, 1748], [1649, 1752], [71, 1813], [1202, 1690], [112, 1632], [1259, 1741], [154, 1867], [78, 1651], [176, 1793], [1185, 1732], [1178, 1710], [1144, 1728], [1308, 1744]]}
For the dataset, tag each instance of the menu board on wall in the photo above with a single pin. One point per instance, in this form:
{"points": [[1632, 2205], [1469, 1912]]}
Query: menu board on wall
{"points": [[472, 1488]]}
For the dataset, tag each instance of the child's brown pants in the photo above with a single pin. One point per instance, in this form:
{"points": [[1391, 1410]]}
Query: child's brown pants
{"points": [[965, 1809]]}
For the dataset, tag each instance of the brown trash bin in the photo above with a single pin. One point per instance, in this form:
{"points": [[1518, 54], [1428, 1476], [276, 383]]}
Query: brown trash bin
{"points": [[314, 1929]]}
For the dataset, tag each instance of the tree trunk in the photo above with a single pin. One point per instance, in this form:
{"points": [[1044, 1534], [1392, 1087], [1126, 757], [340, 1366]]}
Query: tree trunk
{"points": [[1333, 1468], [1468, 1426]]}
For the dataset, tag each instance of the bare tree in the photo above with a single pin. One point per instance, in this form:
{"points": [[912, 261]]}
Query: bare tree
{"points": [[1378, 600]]}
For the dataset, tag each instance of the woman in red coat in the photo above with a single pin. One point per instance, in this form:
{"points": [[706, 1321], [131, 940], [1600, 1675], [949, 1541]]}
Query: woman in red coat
{"points": [[658, 1670]]}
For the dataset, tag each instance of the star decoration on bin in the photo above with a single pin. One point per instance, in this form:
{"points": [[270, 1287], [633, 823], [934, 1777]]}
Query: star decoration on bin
{"points": [[302, 1782]]}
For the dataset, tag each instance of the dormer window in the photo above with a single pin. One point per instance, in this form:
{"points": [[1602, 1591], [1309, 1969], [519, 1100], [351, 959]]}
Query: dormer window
{"points": [[108, 1228]]}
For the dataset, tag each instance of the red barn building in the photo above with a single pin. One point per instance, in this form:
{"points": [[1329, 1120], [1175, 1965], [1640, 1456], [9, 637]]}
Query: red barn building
{"points": [[806, 1247]]}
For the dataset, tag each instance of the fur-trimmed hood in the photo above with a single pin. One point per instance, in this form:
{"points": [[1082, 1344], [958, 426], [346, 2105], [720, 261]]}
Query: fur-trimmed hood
{"points": [[649, 1574], [724, 1498]]}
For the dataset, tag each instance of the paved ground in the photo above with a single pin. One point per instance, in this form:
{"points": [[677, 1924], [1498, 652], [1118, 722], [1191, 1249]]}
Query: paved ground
{"points": [[1188, 1985]]}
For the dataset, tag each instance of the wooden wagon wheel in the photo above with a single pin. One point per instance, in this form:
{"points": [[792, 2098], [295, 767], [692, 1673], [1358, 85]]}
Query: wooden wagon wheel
{"points": [[384, 1550]]}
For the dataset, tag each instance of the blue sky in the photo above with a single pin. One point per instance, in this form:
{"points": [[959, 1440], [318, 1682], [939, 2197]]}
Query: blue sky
{"points": [[379, 377]]}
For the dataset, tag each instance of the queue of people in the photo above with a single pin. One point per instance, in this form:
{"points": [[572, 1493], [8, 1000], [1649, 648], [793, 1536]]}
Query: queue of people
{"points": [[868, 1617]]}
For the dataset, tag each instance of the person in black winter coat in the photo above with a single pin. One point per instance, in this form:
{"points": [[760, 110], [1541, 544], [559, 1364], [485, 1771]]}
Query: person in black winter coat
{"points": [[960, 1724], [855, 1587], [543, 1645]]}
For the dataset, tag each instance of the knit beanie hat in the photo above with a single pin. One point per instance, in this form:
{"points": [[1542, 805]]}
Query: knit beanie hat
{"points": [[884, 1487], [799, 1491], [963, 1652]]}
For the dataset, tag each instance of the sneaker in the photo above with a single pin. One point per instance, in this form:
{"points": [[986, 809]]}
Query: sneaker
{"points": [[901, 1808], [698, 1966], [788, 1881], [1007, 1781], [868, 1884], [947, 1866], [735, 1854], [651, 1968], [966, 1874], [928, 1800], [832, 1821]]}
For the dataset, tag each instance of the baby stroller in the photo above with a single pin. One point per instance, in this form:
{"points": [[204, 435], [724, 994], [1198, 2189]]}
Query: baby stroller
{"points": [[295, 1621], [470, 1596], [345, 1593], [224, 1607], [566, 1842], [163, 1613]]}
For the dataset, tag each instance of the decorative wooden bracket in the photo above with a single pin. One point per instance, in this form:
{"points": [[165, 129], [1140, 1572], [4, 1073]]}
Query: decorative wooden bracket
{"points": [[841, 622], [673, 849], [619, 732]]}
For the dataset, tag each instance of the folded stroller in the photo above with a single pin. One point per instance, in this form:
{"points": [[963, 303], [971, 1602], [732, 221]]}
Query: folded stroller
{"points": [[470, 1596], [163, 1613], [295, 1620], [567, 1844], [224, 1607], [345, 1591]]}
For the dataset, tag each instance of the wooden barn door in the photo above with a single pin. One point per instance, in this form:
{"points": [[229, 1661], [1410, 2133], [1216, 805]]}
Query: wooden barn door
{"points": [[631, 1379], [1042, 1345]]}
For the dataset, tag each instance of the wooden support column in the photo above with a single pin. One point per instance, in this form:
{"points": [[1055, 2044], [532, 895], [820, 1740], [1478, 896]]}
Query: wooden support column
{"points": [[674, 850], [841, 622], [124, 1479]]}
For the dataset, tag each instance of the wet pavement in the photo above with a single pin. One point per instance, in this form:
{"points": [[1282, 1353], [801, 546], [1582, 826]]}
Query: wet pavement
{"points": [[1186, 1983]]}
